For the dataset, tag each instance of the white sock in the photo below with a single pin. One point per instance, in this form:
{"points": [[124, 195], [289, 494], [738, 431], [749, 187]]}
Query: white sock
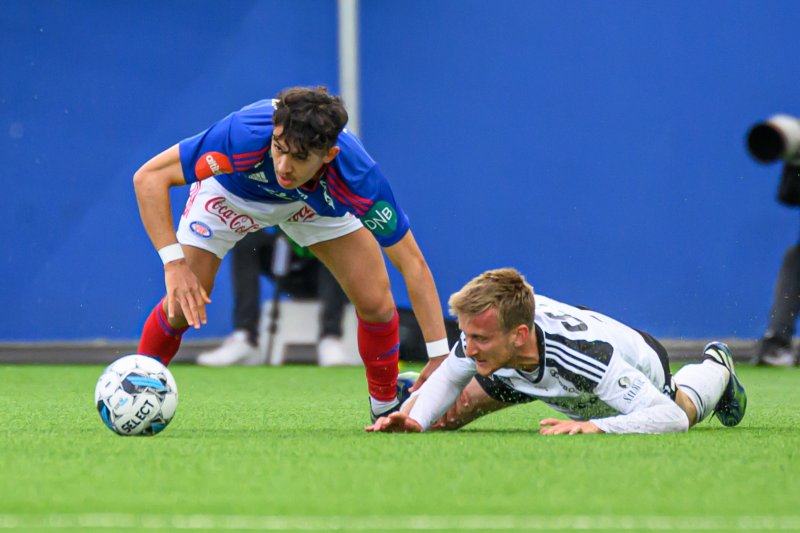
{"points": [[704, 384], [379, 406]]}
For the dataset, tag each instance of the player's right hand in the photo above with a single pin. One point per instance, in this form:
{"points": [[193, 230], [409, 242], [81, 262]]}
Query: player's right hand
{"points": [[185, 293], [397, 422]]}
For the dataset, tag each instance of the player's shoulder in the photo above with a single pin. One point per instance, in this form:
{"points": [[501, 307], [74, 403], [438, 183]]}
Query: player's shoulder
{"points": [[265, 105], [571, 333], [550, 313], [256, 117], [248, 133], [556, 314], [353, 163]]}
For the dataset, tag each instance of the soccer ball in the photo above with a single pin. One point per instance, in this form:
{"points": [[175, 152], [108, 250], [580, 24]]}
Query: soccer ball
{"points": [[136, 395]]}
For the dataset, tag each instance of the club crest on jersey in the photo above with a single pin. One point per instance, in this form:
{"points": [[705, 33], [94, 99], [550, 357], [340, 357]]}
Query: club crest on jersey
{"points": [[200, 229], [238, 222], [212, 164]]}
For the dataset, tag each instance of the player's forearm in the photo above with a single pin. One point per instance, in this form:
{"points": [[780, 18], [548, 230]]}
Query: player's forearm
{"points": [[663, 418], [456, 417], [407, 257], [426, 304], [438, 393]]}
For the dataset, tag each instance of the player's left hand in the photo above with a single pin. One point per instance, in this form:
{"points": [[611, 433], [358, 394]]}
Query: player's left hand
{"points": [[425, 373], [554, 426], [397, 422]]}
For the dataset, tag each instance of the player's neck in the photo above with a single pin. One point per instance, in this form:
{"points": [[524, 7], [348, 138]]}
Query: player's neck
{"points": [[526, 357], [319, 172]]}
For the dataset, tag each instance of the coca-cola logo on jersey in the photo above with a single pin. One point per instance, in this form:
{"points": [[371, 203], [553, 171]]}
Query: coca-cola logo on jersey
{"points": [[236, 221], [305, 213]]}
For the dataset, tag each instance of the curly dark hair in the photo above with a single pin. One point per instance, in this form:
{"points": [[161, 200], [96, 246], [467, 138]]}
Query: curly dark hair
{"points": [[311, 118]]}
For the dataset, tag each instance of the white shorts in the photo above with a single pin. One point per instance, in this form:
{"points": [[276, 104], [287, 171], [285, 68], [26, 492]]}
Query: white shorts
{"points": [[215, 219]]}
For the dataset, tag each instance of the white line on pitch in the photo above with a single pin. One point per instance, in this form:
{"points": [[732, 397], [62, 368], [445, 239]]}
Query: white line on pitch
{"points": [[405, 522]]}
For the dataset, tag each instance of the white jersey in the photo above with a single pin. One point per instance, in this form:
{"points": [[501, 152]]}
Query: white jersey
{"points": [[591, 367]]}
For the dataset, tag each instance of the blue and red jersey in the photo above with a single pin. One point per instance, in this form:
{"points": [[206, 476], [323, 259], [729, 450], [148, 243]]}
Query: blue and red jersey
{"points": [[236, 150]]}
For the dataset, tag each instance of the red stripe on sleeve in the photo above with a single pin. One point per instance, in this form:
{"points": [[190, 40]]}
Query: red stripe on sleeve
{"points": [[360, 211], [353, 198], [248, 161], [250, 155]]}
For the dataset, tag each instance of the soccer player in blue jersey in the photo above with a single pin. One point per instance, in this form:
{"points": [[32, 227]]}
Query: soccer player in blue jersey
{"points": [[605, 376], [288, 162]]}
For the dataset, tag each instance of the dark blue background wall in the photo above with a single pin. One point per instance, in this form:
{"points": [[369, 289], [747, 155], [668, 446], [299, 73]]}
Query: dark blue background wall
{"points": [[596, 146]]}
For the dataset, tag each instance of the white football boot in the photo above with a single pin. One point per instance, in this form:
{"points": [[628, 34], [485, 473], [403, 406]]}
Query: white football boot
{"points": [[331, 351], [235, 350], [783, 357]]}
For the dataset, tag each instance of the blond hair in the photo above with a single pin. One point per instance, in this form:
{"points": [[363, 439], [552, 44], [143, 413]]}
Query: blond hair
{"points": [[503, 289]]}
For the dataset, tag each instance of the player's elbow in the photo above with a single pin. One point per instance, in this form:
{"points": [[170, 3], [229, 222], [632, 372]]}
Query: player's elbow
{"points": [[142, 178], [147, 180]]}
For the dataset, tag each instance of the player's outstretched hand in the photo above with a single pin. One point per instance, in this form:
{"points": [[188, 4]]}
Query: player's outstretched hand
{"points": [[425, 373], [184, 290], [396, 422], [554, 426]]}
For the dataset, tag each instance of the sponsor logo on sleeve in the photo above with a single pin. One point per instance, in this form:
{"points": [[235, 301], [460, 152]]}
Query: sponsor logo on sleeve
{"points": [[635, 388], [381, 219], [201, 230], [238, 222], [212, 164]]}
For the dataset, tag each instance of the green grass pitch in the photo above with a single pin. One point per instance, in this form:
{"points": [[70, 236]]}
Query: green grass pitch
{"points": [[283, 449]]}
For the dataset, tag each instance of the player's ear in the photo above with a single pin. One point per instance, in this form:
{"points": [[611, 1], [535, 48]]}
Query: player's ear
{"points": [[521, 333], [332, 153]]}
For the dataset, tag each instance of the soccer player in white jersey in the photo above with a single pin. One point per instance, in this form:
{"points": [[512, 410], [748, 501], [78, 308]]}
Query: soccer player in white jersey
{"points": [[605, 376]]}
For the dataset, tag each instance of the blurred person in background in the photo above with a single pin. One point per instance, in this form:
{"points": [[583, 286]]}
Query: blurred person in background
{"points": [[294, 271], [775, 347], [289, 162]]}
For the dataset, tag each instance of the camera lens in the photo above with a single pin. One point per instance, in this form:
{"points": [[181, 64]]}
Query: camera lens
{"points": [[766, 143]]}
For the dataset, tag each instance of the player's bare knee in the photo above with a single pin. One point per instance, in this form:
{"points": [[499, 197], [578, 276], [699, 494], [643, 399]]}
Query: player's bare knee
{"points": [[377, 315], [376, 309]]}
